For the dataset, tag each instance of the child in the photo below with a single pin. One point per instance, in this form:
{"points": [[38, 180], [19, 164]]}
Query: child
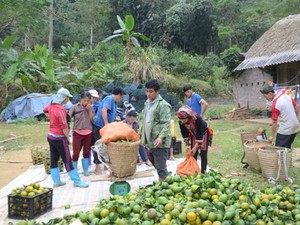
{"points": [[83, 115], [132, 122]]}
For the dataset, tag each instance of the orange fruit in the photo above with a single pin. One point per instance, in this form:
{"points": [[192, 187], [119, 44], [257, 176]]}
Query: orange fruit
{"points": [[205, 195], [245, 205], [182, 217], [23, 193], [265, 196], [203, 214], [191, 216], [207, 222], [216, 223], [213, 191], [243, 198], [169, 207], [165, 222], [29, 189], [104, 213], [214, 197], [256, 202], [168, 216], [223, 198]]}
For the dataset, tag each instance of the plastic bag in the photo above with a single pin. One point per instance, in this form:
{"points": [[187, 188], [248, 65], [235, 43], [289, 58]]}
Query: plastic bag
{"points": [[189, 166], [99, 148], [118, 131]]}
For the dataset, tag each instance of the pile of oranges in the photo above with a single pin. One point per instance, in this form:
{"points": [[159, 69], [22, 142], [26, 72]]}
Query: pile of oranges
{"points": [[206, 199]]}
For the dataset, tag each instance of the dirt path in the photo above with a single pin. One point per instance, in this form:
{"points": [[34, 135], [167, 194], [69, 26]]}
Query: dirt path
{"points": [[13, 163]]}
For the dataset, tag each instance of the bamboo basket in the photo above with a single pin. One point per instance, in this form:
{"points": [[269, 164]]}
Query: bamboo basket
{"points": [[268, 160], [37, 154], [248, 135], [251, 147], [47, 166], [122, 157]]}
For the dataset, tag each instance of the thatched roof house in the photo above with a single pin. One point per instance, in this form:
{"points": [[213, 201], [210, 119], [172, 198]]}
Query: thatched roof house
{"points": [[280, 44], [276, 54]]}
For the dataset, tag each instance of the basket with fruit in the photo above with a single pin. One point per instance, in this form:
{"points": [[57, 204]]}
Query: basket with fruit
{"points": [[29, 201]]}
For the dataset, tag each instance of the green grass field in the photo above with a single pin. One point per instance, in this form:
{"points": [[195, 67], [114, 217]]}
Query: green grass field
{"points": [[224, 156]]}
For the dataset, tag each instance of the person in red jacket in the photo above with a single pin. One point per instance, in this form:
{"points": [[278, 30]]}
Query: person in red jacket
{"points": [[58, 139]]}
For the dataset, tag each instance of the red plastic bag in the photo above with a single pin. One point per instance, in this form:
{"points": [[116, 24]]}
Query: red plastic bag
{"points": [[189, 166]]}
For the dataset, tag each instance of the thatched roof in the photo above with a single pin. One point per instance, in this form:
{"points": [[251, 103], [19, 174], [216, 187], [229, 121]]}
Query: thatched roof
{"points": [[280, 44]]}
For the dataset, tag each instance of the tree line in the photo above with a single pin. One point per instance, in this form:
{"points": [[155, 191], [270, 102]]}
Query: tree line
{"points": [[194, 26], [45, 44]]}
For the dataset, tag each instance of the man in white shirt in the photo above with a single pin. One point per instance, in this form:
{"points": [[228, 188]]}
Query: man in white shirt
{"points": [[284, 116]]}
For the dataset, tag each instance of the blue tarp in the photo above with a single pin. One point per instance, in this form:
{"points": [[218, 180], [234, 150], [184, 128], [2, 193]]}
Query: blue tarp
{"points": [[27, 106]]}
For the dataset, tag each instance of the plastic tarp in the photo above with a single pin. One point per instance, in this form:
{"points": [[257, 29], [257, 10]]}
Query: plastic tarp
{"points": [[27, 106]]}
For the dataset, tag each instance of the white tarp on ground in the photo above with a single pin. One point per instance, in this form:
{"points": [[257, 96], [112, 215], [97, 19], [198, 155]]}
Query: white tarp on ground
{"points": [[79, 198]]}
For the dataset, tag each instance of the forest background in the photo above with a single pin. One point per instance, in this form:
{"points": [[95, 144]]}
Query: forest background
{"points": [[46, 44]]}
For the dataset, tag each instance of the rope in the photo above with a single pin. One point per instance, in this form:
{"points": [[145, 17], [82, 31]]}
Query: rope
{"points": [[282, 154]]}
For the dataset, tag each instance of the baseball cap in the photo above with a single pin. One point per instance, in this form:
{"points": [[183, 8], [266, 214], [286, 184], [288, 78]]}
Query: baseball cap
{"points": [[267, 89], [94, 93], [61, 94]]}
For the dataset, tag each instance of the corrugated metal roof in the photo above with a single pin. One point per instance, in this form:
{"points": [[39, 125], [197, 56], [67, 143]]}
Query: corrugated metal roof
{"points": [[264, 61]]}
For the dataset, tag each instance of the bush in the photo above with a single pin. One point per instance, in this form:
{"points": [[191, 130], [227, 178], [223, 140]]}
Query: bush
{"points": [[110, 52]]}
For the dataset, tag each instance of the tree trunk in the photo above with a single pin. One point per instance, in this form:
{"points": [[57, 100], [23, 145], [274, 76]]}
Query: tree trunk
{"points": [[230, 41], [25, 42], [91, 38], [51, 18]]}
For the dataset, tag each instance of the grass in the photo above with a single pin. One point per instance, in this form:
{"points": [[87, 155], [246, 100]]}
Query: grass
{"points": [[225, 154], [33, 132], [227, 151], [216, 111]]}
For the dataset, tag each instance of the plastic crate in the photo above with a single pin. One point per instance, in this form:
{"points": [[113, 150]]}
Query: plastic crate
{"points": [[177, 148], [20, 207]]}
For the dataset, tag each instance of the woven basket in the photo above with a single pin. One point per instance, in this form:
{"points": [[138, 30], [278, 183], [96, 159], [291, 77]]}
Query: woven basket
{"points": [[248, 135], [251, 147], [268, 160], [37, 154], [46, 162], [122, 157]]}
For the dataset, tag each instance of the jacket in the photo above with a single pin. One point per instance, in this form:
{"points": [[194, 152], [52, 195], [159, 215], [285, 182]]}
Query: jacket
{"points": [[160, 118]]}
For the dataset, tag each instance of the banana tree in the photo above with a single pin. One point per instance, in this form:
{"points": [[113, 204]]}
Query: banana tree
{"points": [[127, 34], [70, 54]]}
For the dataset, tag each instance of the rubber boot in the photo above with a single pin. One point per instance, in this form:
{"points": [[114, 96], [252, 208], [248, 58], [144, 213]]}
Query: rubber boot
{"points": [[77, 181], [85, 166], [55, 174], [74, 164]]}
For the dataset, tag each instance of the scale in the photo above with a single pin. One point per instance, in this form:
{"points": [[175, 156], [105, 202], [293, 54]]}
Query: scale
{"points": [[120, 188]]}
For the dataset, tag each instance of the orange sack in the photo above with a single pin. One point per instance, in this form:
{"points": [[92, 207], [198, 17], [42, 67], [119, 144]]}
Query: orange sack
{"points": [[117, 131], [189, 166]]}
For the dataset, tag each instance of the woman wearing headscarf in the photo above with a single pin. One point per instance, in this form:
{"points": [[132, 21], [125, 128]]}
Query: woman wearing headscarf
{"points": [[194, 129]]}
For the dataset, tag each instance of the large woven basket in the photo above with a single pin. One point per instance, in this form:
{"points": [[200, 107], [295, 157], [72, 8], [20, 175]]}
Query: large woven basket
{"points": [[251, 148], [37, 154], [268, 160], [47, 164], [248, 135], [122, 157]]}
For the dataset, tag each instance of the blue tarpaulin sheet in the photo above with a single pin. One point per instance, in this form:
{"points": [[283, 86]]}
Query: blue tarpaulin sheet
{"points": [[27, 106]]}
